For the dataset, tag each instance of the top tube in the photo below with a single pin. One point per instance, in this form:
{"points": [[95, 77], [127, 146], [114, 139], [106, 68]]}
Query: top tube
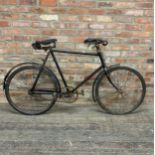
{"points": [[73, 52]]}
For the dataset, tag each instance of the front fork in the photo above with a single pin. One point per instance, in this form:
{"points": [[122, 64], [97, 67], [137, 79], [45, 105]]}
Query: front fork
{"points": [[111, 82], [101, 56]]}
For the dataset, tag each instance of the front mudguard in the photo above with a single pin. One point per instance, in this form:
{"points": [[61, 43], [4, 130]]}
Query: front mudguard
{"points": [[96, 79], [27, 64]]}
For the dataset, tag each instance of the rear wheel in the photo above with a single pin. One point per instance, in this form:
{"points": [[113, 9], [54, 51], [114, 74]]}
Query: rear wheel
{"points": [[129, 94], [19, 96]]}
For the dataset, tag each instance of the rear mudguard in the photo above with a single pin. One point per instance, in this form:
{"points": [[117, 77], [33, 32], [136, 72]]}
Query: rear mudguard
{"points": [[29, 64], [13, 68], [100, 74]]}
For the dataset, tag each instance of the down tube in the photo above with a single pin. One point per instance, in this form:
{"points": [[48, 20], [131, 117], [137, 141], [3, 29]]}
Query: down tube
{"points": [[85, 80]]}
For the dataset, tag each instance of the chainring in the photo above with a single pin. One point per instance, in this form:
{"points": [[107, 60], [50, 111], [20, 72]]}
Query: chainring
{"points": [[70, 97]]}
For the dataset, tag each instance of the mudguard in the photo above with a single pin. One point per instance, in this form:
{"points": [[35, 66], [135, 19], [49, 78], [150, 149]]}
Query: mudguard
{"points": [[13, 68], [96, 79], [27, 64]]}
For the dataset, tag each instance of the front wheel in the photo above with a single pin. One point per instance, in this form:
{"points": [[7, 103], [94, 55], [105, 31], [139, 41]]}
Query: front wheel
{"points": [[19, 95], [126, 92]]}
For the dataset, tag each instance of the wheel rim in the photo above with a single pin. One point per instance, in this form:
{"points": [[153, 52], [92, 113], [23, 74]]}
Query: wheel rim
{"points": [[20, 98], [127, 98]]}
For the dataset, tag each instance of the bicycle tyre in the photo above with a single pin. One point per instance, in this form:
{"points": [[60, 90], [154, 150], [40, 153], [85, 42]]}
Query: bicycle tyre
{"points": [[120, 107], [30, 105]]}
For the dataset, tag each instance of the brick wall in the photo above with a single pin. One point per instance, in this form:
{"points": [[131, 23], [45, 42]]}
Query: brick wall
{"points": [[127, 25]]}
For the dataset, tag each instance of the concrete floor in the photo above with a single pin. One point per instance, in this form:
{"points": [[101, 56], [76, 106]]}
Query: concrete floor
{"points": [[76, 130]]}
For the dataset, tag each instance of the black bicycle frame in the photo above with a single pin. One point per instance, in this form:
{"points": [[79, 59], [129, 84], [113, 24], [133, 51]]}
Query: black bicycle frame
{"points": [[77, 53], [52, 51]]}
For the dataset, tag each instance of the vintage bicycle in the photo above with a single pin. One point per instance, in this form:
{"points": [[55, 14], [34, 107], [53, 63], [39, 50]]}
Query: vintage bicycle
{"points": [[33, 89]]}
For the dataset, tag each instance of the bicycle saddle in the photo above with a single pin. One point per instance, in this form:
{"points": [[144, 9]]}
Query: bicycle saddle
{"points": [[45, 44], [96, 41]]}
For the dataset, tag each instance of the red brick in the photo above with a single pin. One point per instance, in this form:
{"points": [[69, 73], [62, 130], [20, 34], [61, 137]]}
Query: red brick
{"points": [[96, 11], [85, 32], [148, 28], [146, 41], [132, 27], [77, 11], [50, 32], [113, 12], [148, 13], [135, 60], [39, 10], [4, 24], [142, 34], [21, 24], [29, 17], [133, 12], [79, 39], [68, 32], [75, 3], [66, 46], [145, 5], [87, 18], [56, 10], [21, 38], [96, 26], [28, 2], [120, 47], [105, 4], [139, 48], [15, 9], [93, 66], [13, 31], [116, 26], [76, 25], [124, 34], [143, 20], [87, 4], [123, 4], [7, 1], [123, 19], [69, 18], [39, 24], [9, 16], [30, 31], [117, 4], [120, 60], [5, 38], [133, 41], [134, 34], [48, 2]]}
